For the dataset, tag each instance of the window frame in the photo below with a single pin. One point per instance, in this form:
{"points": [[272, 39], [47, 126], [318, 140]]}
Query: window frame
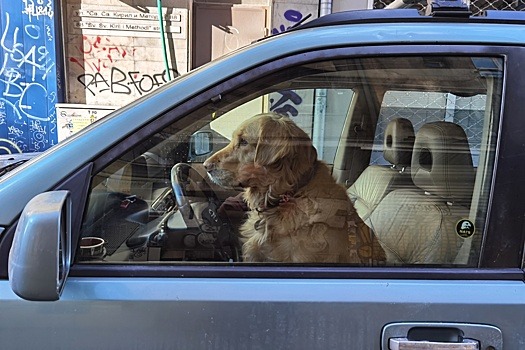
{"points": [[501, 256]]}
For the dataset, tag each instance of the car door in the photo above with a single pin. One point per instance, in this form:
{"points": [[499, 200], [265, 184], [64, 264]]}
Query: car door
{"points": [[157, 276]]}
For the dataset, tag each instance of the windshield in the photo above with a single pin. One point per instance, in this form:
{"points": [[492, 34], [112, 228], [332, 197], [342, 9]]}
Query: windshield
{"points": [[9, 162]]}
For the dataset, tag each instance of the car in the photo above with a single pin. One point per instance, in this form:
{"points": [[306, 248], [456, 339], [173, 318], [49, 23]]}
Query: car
{"points": [[114, 238]]}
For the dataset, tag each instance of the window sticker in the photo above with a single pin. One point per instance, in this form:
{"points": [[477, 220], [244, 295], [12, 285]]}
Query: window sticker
{"points": [[465, 228]]}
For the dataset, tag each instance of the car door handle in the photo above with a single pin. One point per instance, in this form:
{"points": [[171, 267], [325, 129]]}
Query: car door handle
{"points": [[406, 344], [440, 336]]}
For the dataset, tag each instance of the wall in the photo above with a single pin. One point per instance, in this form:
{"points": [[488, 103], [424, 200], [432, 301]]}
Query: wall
{"points": [[347, 5], [29, 85], [220, 28], [286, 13], [114, 53]]}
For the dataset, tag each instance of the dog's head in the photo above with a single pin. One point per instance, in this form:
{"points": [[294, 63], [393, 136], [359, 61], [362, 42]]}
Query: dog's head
{"points": [[266, 150]]}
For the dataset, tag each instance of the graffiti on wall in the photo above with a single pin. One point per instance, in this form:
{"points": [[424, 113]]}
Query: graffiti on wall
{"points": [[290, 18], [97, 53], [28, 82], [119, 82], [41, 8], [285, 102], [289, 102], [104, 63]]}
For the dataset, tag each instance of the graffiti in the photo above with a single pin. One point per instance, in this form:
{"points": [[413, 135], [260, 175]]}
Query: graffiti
{"points": [[35, 63], [39, 135], [13, 130], [9, 147], [28, 88], [40, 9], [96, 53], [3, 114], [286, 104], [37, 58], [103, 63], [49, 33], [292, 16], [118, 82]]}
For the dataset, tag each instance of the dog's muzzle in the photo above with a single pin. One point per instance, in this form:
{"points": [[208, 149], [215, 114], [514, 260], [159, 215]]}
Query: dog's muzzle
{"points": [[223, 178]]}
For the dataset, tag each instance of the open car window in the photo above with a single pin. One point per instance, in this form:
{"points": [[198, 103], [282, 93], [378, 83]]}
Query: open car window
{"points": [[400, 172]]}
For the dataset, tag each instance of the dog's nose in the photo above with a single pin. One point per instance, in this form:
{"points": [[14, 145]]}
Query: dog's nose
{"points": [[208, 165]]}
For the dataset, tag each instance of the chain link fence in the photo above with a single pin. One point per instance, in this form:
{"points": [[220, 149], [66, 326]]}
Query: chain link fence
{"points": [[476, 6], [425, 107], [422, 107]]}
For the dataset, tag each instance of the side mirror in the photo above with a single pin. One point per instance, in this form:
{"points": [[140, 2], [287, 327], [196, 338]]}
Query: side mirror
{"points": [[40, 255], [201, 143]]}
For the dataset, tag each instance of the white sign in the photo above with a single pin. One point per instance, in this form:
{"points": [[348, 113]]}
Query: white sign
{"points": [[92, 20], [72, 118]]}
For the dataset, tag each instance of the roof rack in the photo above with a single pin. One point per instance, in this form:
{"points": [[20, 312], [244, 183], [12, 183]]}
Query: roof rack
{"points": [[437, 13], [447, 8], [434, 7]]}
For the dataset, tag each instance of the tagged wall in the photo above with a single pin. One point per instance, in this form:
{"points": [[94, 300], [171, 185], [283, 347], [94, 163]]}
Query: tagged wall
{"points": [[28, 76], [286, 13], [295, 104], [114, 52], [113, 55]]}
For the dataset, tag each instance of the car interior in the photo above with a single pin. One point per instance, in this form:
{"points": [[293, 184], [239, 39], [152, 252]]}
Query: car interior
{"points": [[412, 139]]}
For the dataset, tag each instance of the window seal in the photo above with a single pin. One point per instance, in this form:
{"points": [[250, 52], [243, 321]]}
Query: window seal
{"points": [[295, 272]]}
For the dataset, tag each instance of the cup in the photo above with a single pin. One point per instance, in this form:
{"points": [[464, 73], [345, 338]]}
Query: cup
{"points": [[92, 247]]}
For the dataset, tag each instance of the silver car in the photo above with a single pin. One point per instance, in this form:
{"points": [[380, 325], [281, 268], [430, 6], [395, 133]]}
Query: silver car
{"points": [[111, 239]]}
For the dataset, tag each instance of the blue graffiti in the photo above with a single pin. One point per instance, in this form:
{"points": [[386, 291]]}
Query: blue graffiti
{"points": [[283, 105], [293, 16], [28, 79]]}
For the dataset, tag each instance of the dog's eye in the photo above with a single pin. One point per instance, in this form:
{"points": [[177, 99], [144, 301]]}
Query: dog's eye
{"points": [[243, 142]]}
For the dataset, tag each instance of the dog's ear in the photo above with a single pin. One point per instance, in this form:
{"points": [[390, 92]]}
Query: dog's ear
{"points": [[281, 140]]}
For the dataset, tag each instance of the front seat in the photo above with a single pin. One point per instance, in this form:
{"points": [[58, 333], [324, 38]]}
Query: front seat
{"points": [[420, 225], [377, 181]]}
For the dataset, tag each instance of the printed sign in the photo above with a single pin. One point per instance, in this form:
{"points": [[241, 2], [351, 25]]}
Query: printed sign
{"points": [[72, 118]]}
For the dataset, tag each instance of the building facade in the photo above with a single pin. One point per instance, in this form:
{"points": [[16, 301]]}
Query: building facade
{"points": [[67, 63]]}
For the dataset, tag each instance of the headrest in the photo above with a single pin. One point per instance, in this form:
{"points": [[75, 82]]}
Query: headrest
{"points": [[442, 163], [399, 142]]}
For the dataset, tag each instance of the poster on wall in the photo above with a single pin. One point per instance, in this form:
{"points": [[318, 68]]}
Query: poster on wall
{"points": [[71, 118]]}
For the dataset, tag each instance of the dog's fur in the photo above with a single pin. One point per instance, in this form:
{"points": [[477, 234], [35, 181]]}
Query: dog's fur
{"points": [[298, 212]]}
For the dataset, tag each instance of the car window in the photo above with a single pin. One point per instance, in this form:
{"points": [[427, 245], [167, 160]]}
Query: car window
{"points": [[309, 108], [359, 161]]}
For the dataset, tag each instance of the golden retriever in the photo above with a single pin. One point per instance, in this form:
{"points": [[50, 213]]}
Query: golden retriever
{"points": [[298, 213]]}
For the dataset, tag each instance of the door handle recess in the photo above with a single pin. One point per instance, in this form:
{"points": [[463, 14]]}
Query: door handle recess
{"points": [[406, 344], [440, 336]]}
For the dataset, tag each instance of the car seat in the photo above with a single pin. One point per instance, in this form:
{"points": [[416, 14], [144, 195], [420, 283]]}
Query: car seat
{"points": [[377, 181], [420, 225]]}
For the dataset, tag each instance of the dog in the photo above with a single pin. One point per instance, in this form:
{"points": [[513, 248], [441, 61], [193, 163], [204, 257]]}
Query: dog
{"points": [[298, 213]]}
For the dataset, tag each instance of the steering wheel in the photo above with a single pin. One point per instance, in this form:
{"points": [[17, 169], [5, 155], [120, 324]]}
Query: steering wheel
{"points": [[189, 186], [198, 204]]}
